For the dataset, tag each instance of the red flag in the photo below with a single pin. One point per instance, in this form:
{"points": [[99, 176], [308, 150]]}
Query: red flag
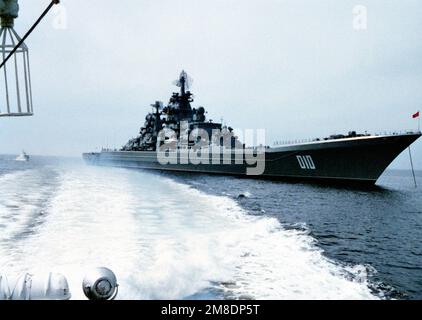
{"points": [[416, 115]]}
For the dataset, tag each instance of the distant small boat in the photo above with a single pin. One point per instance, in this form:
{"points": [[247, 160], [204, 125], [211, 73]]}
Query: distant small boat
{"points": [[22, 157]]}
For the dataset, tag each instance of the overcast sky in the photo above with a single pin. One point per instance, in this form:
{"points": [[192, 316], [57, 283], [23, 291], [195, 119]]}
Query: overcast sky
{"points": [[297, 68]]}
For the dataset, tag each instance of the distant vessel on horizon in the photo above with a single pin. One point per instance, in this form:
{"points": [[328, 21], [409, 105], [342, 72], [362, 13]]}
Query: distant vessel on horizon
{"points": [[22, 157], [352, 159]]}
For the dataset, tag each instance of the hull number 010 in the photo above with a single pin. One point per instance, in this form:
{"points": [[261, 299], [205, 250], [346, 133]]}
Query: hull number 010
{"points": [[306, 162]]}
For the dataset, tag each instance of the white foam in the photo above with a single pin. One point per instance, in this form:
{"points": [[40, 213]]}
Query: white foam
{"points": [[22, 195], [273, 263], [166, 240]]}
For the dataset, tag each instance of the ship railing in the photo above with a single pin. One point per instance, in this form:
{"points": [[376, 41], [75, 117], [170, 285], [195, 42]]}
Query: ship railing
{"points": [[310, 140], [108, 150], [396, 133]]}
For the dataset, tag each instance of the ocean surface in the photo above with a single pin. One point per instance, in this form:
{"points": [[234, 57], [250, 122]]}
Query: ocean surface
{"points": [[183, 236]]}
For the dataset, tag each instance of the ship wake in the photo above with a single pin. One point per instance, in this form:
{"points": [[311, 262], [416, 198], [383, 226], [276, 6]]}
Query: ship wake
{"points": [[163, 239]]}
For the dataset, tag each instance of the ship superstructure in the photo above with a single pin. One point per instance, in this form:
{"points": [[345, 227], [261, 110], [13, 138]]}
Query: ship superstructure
{"points": [[178, 110]]}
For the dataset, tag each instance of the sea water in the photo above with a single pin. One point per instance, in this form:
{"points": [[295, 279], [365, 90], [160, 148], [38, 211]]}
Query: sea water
{"points": [[183, 236]]}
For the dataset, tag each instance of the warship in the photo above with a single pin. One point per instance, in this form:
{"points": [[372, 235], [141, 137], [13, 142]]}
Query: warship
{"points": [[178, 137]]}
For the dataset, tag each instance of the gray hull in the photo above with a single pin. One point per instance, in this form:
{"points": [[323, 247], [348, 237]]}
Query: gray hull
{"points": [[352, 160]]}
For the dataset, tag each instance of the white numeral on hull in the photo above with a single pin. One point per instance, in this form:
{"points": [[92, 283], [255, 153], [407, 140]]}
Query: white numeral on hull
{"points": [[306, 162]]}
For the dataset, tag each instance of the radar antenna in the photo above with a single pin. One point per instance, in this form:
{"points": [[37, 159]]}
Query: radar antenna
{"points": [[184, 82]]}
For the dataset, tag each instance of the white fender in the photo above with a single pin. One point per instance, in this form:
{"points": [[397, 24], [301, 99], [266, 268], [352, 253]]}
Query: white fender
{"points": [[54, 286], [4, 288]]}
